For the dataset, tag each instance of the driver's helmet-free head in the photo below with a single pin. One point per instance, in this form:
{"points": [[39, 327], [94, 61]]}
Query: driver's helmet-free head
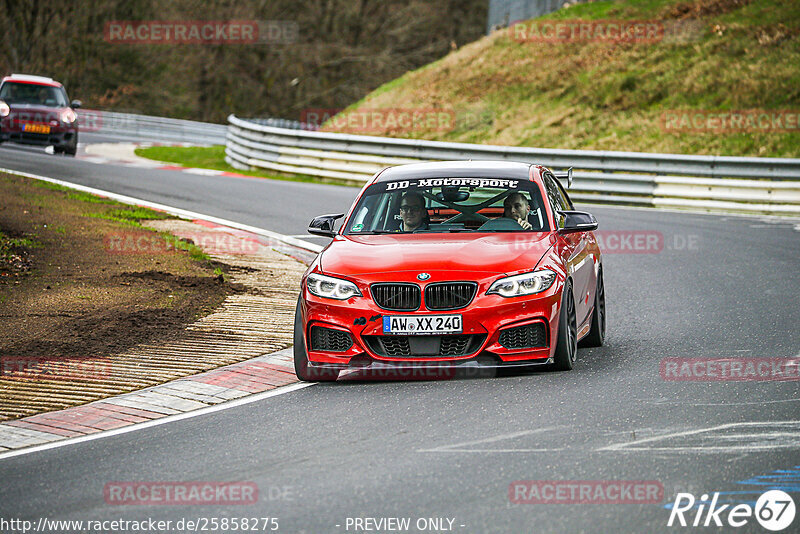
{"points": [[419, 200]]}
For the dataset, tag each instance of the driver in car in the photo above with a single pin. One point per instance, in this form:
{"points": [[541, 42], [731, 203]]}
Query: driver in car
{"points": [[517, 207], [413, 212]]}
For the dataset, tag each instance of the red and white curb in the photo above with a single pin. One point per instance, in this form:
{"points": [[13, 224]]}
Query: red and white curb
{"points": [[124, 154], [257, 375]]}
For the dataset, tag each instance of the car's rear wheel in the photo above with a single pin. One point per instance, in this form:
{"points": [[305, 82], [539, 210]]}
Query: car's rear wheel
{"points": [[302, 367], [567, 338], [597, 332]]}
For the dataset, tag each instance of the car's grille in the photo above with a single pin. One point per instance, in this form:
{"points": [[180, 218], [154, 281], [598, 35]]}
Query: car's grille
{"points": [[27, 136], [449, 295], [524, 337], [330, 340], [396, 297], [418, 346], [392, 346], [454, 346]]}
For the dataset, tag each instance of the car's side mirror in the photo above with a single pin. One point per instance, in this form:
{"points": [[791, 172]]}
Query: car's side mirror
{"points": [[75, 104], [324, 224], [577, 221]]}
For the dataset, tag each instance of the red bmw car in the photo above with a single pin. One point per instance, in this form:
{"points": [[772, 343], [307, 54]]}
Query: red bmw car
{"points": [[449, 265], [34, 110]]}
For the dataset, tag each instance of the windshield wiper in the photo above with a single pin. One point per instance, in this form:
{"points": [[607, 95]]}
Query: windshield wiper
{"points": [[374, 232]]}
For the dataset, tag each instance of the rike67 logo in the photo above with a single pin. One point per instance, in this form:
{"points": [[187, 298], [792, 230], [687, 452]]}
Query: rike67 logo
{"points": [[774, 510]]}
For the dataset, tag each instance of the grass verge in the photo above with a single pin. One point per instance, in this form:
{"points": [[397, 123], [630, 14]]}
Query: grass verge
{"points": [[213, 157], [716, 56]]}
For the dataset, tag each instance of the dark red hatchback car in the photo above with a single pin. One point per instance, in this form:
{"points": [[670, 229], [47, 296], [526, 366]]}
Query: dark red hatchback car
{"points": [[35, 110], [449, 265]]}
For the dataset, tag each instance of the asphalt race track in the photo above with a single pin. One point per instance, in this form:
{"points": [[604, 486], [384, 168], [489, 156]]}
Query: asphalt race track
{"points": [[717, 287]]}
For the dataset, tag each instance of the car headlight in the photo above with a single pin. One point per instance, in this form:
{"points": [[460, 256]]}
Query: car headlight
{"points": [[4, 109], [523, 284], [68, 116], [330, 287]]}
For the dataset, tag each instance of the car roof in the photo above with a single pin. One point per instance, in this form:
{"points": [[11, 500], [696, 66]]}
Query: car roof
{"points": [[457, 169], [29, 78]]}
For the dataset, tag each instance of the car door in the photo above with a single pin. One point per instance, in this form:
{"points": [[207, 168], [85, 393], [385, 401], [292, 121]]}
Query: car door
{"points": [[579, 262]]}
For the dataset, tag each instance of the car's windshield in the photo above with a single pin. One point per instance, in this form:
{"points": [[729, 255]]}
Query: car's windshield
{"points": [[28, 93], [444, 205]]}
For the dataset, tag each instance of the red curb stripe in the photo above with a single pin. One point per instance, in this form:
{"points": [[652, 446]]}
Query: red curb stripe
{"points": [[264, 367], [68, 425], [129, 411], [261, 378], [245, 379], [90, 411], [244, 386], [99, 422], [257, 371], [278, 368]]}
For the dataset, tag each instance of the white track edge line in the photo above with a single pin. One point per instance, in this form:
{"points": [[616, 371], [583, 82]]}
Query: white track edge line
{"points": [[156, 422], [185, 214]]}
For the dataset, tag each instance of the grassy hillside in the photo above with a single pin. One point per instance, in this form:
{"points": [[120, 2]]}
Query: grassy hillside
{"points": [[716, 55]]}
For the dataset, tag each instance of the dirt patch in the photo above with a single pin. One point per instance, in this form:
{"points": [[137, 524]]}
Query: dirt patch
{"points": [[64, 293], [704, 8]]}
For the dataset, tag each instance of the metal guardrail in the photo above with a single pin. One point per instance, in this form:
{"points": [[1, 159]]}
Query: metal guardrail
{"points": [[707, 183], [151, 128]]}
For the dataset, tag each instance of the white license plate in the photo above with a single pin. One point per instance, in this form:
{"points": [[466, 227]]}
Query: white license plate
{"points": [[421, 324]]}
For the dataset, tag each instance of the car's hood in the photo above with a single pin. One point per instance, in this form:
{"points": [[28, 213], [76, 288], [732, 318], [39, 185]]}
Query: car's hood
{"points": [[495, 253], [35, 113]]}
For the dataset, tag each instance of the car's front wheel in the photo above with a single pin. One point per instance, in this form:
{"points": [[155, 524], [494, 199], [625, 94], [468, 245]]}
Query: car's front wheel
{"points": [[567, 343], [302, 367], [72, 149], [597, 332]]}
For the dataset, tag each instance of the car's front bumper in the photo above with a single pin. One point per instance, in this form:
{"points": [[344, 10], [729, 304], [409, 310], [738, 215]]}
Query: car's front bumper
{"points": [[486, 316], [364, 368], [59, 136]]}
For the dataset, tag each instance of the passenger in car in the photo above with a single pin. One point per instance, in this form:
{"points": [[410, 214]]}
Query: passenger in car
{"points": [[517, 207]]}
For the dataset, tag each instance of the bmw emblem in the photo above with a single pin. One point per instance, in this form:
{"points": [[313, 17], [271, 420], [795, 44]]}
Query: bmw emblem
{"points": [[423, 276]]}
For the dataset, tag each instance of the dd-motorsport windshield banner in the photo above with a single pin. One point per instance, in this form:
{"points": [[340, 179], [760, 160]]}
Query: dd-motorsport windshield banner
{"points": [[443, 182]]}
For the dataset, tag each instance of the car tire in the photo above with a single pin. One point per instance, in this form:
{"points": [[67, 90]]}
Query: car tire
{"points": [[597, 332], [566, 343], [302, 367], [73, 148]]}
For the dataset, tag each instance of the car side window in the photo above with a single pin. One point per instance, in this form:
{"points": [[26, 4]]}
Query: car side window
{"points": [[564, 197], [557, 202]]}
